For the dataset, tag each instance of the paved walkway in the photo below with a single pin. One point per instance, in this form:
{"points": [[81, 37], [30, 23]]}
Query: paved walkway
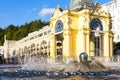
{"points": [[10, 66]]}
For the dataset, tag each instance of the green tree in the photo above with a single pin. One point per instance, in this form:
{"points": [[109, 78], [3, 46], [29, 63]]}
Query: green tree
{"points": [[10, 30], [13, 32], [1, 36]]}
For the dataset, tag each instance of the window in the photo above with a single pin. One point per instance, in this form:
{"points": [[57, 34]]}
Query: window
{"points": [[118, 37], [49, 31], [31, 38], [96, 24], [35, 36], [59, 26], [45, 33], [39, 35], [97, 46], [25, 40]]}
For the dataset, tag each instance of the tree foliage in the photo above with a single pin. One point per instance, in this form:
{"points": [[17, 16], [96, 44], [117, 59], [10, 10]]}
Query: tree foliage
{"points": [[1, 36], [13, 32]]}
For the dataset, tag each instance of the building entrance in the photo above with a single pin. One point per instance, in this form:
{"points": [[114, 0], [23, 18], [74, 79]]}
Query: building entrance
{"points": [[96, 41], [96, 37], [59, 46]]}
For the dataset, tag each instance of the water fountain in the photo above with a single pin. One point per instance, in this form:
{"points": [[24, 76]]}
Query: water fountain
{"points": [[33, 68], [85, 65]]}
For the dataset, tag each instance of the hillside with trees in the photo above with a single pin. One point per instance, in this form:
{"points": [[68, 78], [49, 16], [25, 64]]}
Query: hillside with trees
{"points": [[13, 32]]}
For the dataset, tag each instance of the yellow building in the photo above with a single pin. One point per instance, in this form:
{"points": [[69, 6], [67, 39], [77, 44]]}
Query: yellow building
{"points": [[84, 27]]}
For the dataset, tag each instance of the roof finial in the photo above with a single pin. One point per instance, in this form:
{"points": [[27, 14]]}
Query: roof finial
{"points": [[67, 8], [97, 3], [58, 6]]}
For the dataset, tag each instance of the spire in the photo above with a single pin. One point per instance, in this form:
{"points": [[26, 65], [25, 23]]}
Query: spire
{"points": [[59, 7], [5, 38]]}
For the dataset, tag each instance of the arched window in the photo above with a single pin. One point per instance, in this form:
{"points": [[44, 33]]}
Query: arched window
{"points": [[96, 24], [96, 36], [59, 26]]}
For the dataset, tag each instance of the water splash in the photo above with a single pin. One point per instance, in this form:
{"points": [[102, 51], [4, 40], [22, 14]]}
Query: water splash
{"points": [[40, 64]]}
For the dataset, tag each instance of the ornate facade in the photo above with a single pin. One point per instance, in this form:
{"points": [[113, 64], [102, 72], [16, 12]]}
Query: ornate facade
{"points": [[82, 28]]}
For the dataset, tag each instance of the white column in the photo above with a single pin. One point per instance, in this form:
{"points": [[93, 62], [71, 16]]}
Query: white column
{"points": [[88, 44], [52, 48], [106, 45], [81, 42], [66, 44]]}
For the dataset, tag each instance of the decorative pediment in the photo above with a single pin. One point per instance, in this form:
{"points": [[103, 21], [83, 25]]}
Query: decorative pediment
{"points": [[98, 10], [58, 11]]}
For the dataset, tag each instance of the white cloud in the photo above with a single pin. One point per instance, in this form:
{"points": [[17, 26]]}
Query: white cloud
{"points": [[46, 11]]}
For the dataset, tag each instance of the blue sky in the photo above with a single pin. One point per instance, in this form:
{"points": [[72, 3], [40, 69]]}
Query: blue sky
{"points": [[19, 12]]}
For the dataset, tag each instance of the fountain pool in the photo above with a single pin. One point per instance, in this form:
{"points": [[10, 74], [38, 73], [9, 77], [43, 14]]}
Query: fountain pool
{"points": [[19, 74], [34, 69]]}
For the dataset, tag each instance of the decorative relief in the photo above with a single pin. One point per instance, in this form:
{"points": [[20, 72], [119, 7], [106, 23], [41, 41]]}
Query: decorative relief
{"points": [[67, 19], [66, 32], [64, 20], [51, 25], [87, 32], [52, 35], [99, 11]]}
